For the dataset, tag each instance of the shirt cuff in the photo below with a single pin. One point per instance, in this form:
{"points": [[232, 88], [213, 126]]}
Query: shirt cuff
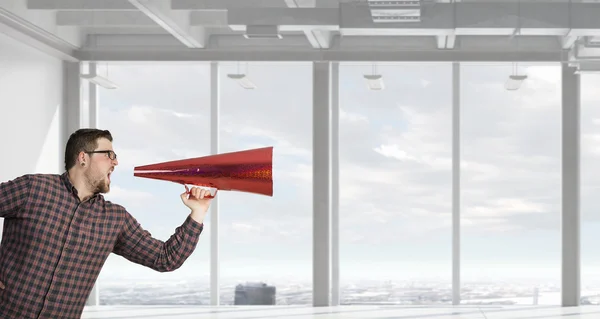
{"points": [[192, 227]]}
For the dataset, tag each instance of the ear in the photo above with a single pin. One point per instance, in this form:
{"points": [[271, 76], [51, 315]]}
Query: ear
{"points": [[81, 158]]}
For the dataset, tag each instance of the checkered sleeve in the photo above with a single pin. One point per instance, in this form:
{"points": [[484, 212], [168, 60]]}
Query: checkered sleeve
{"points": [[13, 195], [137, 244]]}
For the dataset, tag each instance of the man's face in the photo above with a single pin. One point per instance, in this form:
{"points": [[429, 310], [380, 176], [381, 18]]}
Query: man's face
{"points": [[100, 168]]}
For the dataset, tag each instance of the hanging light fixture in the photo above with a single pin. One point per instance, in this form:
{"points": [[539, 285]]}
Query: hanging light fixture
{"points": [[242, 78], [374, 81], [515, 80]]}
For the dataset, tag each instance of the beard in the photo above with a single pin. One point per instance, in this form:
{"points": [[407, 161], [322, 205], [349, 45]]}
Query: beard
{"points": [[98, 182]]}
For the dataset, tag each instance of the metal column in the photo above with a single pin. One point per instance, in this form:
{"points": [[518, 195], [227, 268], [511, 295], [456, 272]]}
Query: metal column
{"points": [[335, 182], [71, 107], [456, 183], [321, 184], [571, 265], [214, 206], [93, 110], [92, 121]]}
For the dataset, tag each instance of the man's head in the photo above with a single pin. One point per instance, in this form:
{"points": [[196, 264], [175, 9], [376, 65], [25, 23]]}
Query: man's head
{"points": [[89, 156]]}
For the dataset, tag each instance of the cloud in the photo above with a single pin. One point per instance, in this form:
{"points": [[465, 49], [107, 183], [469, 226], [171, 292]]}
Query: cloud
{"points": [[151, 116], [504, 207], [261, 228], [510, 147], [240, 227], [394, 151]]}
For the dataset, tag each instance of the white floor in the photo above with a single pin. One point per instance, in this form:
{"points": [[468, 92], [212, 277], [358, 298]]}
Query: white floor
{"points": [[375, 312]]}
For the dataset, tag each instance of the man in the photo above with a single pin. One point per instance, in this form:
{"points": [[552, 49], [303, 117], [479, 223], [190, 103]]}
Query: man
{"points": [[59, 230]]}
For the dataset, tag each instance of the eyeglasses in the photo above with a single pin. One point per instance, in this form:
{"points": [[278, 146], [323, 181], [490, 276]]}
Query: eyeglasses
{"points": [[111, 154]]}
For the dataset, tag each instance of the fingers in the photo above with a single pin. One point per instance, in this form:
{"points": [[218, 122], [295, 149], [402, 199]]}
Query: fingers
{"points": [[197, 192], [200, 193], [2, 285]]}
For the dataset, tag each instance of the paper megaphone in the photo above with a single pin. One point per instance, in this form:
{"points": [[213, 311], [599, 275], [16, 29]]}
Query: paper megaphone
{"points": [[249, 171]]}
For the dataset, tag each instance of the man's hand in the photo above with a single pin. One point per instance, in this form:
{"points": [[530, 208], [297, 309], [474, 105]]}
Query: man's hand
{"points": [[2, 285], [196, 201]]}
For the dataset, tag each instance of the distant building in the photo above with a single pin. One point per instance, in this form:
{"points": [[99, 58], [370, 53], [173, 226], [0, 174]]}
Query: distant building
{"points": [[254, 294]]}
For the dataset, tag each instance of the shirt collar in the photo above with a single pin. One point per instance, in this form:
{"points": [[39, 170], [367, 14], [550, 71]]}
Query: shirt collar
{"points": [[71, 187], [68, 184]]}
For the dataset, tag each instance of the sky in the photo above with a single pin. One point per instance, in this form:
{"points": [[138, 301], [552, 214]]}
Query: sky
{"points": [[395, 169]]}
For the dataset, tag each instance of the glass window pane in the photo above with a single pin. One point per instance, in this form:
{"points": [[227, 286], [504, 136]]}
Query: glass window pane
{"points": [[590, 185], [268, 240], [396, 183], [511, 184], [160, 112]]}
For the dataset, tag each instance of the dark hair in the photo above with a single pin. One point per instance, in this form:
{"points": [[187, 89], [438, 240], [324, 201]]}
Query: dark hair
{"points": [[83, 140]]}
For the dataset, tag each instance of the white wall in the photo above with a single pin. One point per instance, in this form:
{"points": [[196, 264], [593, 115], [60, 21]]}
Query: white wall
{"points": [[31, 97]]}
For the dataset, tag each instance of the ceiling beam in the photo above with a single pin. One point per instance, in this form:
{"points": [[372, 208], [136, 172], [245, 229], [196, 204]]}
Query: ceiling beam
{"points": [[504, 17], [30, 34], [588, 67], [282, 16], [468, 18], [446, 41], [350, 55], [360, 43], [71, 5], [236, 4], [100, 41], [210, 18], [568, 41], [318, 38], [174, 22], [175, 4], [582, 53], [236, 42], [104, 19]]}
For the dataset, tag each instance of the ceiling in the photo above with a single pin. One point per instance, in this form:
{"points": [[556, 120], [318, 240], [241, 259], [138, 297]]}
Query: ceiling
{"points": [[308, 30]]}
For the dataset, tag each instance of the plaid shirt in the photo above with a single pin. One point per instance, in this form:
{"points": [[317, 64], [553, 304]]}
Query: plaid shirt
{"points": [[54, 246]]}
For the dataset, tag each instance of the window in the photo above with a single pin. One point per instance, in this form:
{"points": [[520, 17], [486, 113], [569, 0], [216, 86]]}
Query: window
{"points": [[160, 112], [590, 184], [396, 184], [268, 240], [510, 185]]}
